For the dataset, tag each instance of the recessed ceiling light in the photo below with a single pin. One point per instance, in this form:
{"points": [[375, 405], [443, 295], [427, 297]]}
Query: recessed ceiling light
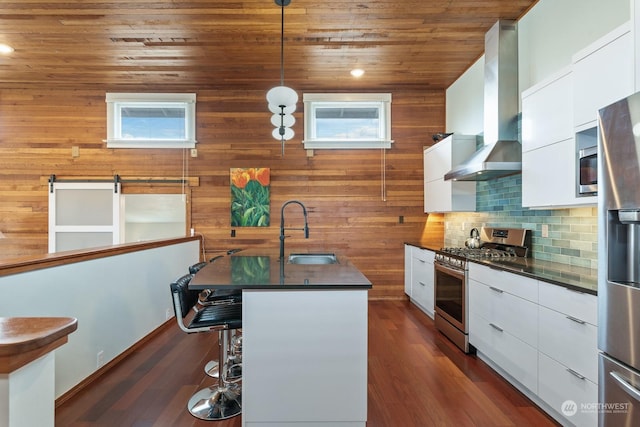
{"points": [[5, 48], [357, 72]]}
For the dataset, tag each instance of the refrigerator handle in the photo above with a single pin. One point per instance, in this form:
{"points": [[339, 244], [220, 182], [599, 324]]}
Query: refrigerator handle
{"points": [[624, 384]]}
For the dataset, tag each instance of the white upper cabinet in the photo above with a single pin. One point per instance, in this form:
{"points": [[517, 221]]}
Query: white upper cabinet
{"points": [[448, 196], [548, 145], [547, 111], [557, 112], [549, 176], [602, 74]]}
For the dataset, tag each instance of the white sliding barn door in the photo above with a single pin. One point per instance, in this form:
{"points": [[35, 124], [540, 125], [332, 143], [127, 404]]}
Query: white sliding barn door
{"points": [[83, 215]]}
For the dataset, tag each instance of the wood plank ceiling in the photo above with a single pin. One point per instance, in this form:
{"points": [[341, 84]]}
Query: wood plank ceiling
{"points": [[209, 44]]}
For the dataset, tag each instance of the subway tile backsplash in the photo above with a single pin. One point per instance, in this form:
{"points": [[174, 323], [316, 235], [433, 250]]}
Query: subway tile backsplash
{"points": [[572, 233]]}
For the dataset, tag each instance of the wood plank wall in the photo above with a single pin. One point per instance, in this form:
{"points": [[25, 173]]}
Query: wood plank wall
{"points": [[341, 188]]}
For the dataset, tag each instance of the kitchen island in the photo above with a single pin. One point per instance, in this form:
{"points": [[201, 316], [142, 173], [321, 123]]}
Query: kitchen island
{"points": [[304, 327]]}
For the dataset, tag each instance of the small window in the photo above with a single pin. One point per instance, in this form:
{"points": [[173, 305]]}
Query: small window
{"points": [[156, 120], [347, 120]]}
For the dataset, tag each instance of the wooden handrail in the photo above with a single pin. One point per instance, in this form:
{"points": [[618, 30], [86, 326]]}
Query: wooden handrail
{"points": [[24, 339], [31, 263]]}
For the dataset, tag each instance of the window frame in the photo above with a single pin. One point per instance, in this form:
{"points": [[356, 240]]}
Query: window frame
{"points": [[117, 101], [380, 101]]}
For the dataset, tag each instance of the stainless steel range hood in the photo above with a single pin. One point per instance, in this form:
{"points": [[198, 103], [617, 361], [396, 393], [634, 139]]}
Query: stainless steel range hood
{"points": [[502, 152]]}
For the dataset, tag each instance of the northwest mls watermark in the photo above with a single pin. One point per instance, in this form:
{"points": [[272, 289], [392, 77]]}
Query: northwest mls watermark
{"points": [[570, 408]]}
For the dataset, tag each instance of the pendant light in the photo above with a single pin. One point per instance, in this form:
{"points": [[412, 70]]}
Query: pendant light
{"points": [[282, 99]]}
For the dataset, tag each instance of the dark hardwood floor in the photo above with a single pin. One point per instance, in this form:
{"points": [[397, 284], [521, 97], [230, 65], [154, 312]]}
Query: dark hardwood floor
{"points": [[416, 378]]}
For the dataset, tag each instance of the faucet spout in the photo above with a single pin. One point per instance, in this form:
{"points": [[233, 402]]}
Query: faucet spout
{"points": [[282, 228]]}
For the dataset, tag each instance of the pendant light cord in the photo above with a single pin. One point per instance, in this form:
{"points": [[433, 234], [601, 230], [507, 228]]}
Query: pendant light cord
{"points": [[282, 44], [282, 76]]}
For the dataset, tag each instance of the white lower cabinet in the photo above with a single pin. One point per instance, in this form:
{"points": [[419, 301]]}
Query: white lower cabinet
{"points": [[503, 325], [557, 330], [557, 385], [422, 279], [407, 269], [542, 335], [568, 349], [518, 316], [514, 356]]}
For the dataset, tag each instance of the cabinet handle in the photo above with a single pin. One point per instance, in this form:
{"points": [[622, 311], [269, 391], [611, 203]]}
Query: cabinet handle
{"points": [[573, 319], [574, 291], [422, 283], [422, 261], [624, 384], [575, 374], [497, 328], [496, 289]]}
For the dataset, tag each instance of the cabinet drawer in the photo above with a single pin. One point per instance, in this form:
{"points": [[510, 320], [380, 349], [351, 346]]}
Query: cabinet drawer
{"points": [[422, 295], [556, 385], [408, 258], [580, 305], [422, 285], [514, 356], [521, 286], [423, 255], [570, 342], [515, 315]]}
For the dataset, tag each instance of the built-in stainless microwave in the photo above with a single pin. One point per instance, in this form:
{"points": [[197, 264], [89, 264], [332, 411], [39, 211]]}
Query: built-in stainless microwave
{"points": [[587, 172]]}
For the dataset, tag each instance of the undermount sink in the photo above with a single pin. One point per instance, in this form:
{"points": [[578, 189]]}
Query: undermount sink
{"points": [[322, 258]]}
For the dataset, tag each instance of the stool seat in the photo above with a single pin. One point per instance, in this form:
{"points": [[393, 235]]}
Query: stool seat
{"points": [[228, 315]]}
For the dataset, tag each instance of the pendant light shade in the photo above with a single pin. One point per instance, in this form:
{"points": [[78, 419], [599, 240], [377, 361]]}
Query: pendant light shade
{"points": [[282, 99], [287, 135], [286, 120], [282, 95]]}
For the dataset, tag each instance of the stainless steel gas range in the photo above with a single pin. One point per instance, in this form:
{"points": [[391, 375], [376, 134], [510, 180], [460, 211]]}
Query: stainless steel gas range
{"points": [[450, 281]]}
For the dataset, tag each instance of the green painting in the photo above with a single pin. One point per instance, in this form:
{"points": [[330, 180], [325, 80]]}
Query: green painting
{"points": [[250, 197]]}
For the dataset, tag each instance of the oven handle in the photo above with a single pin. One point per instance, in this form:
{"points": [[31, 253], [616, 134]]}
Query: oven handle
{"points": [[452, 271]]}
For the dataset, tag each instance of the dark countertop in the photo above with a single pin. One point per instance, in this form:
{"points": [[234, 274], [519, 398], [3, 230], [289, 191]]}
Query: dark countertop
{"points": [[580, 279], [259, 268]]}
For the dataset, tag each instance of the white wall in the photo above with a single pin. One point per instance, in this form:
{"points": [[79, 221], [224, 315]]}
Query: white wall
{"points": [[117, 300], [548, 35]]}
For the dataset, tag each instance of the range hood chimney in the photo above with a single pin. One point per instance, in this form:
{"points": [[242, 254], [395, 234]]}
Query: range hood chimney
{"points": [[502, 152]]}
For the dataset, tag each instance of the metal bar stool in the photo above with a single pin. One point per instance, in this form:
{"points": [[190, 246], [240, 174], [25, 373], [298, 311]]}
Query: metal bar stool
{"points": [[220, 296], [223, 400]]}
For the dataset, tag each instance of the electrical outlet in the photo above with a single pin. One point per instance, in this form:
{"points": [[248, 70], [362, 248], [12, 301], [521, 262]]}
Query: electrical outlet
{"points": [[100, 359], [545, 230], [75, 151], [194, 152], [168, 314]]}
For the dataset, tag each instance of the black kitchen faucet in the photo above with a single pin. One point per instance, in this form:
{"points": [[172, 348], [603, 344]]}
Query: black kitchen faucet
{"points": [[282, 229]]}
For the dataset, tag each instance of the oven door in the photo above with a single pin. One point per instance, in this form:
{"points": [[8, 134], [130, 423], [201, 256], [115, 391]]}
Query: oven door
{"points": [[451, 295]]}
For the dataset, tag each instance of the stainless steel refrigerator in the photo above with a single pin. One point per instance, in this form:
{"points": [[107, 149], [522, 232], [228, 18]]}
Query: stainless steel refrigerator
{"points": [[619, 263]]}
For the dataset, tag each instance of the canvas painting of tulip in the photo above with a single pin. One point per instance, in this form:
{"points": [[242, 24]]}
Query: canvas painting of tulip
{"points": [[250, 197]]}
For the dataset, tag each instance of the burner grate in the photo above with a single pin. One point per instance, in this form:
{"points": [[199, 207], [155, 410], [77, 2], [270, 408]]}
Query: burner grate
{"points": [[480, 252]]}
